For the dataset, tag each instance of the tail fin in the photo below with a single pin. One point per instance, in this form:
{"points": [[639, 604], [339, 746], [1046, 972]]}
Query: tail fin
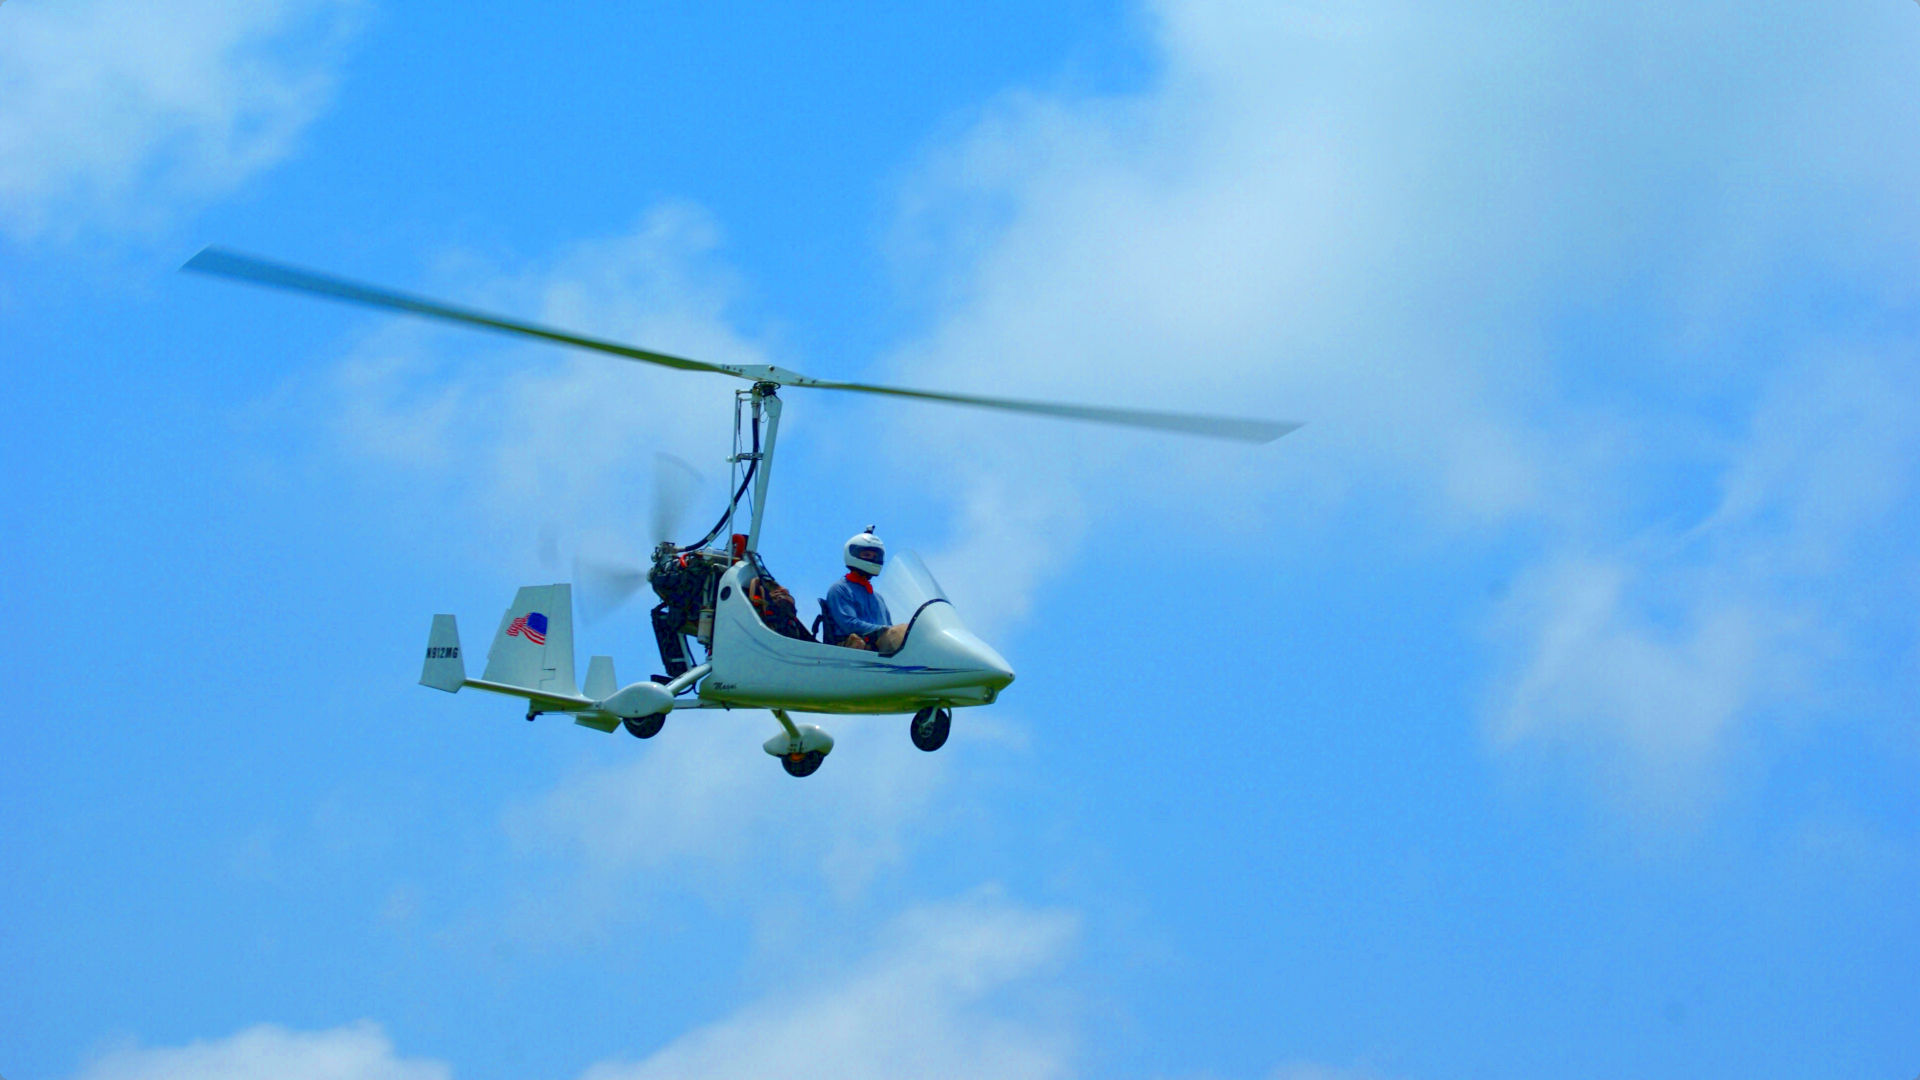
{"points": [[533, 649], [601, 684], [444, 670]]}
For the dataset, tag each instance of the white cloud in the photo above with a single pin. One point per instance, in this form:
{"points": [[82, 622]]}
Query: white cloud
{"points": [[948, 992], [1513, 265], [1656, 654], [967, 988], [1369, 217], [114, 112], [1606, 671], [269, 1052]]}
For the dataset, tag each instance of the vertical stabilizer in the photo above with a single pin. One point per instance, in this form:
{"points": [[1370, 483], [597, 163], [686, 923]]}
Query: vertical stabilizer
{"points": [[444, 669], [600, 681], [533, 649]]}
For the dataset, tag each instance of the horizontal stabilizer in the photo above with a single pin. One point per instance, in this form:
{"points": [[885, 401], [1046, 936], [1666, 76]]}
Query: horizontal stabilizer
{"points": [[444, 669]]}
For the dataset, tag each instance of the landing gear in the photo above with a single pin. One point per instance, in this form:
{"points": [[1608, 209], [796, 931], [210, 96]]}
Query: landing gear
{"points": [[800, 747], [930, 727], [802, 764], [645, 727]]}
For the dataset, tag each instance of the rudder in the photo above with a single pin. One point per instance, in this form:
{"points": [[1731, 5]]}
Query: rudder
{"points": [[533, 649], [444, 669], [601, 684]]}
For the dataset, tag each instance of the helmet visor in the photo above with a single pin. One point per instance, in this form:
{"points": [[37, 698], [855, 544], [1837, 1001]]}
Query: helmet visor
{"points": [[870, 554]]}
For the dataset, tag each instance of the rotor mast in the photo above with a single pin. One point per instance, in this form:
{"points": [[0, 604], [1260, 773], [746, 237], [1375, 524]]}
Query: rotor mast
{"points": [[765, 397]]}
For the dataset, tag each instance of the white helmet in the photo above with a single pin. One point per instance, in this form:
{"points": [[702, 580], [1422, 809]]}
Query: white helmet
{"points": [[866, 553]]}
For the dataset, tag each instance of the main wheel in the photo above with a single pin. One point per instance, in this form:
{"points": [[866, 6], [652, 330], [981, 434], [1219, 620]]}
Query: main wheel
{"points": [[804, 765], [645, 727], [930, 727]]}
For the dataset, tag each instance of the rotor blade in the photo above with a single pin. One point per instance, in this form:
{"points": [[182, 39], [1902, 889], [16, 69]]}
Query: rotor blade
{"points": [[229, 264], [223, 263], [1219, 427], [674, 482]]}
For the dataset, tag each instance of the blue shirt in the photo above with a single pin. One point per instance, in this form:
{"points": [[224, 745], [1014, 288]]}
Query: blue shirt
{"points": [[855, 610]]}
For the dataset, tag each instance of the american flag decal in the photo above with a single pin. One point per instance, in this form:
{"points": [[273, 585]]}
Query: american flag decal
{"points": [[532, 626]]}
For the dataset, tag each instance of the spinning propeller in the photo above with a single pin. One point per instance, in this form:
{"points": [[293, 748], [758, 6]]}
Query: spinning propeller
{"points": [[223, 263], [608, 584]]}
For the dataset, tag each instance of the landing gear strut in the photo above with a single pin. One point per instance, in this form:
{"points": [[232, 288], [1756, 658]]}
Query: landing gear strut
{"points": [[930, 727]]}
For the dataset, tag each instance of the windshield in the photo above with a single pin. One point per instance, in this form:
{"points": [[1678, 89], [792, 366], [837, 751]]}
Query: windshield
{"points": [[906, 584]]}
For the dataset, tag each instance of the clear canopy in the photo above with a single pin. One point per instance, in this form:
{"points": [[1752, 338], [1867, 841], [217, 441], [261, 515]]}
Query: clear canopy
{"points": [[906, 584]]}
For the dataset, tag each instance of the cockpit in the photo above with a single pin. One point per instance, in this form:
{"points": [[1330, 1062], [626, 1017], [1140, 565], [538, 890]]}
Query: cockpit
{"points": [[905, 588], [772, 602], [761, 655]]}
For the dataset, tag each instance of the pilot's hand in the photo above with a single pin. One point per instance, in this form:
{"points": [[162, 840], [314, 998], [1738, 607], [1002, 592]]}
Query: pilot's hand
{"points": [[854, 641]]}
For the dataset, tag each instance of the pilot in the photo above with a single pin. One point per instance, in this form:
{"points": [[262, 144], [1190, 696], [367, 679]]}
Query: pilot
{"points": [[856, 609]]}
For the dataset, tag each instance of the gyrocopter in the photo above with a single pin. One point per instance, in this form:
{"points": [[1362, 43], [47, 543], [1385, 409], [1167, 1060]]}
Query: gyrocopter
{"points": [[718, 594]]}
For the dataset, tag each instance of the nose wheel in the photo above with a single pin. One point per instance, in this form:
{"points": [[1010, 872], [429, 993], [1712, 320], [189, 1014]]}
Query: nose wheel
{"points": [[930, 727], [802, 764], [800, 747], [645, 727]]}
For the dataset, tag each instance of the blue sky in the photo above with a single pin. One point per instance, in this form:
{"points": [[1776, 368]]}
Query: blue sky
{"points": [[1546, 706]]}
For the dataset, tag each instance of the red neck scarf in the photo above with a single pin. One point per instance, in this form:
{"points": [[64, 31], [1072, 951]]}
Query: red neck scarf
{"points": [[860, 579]]}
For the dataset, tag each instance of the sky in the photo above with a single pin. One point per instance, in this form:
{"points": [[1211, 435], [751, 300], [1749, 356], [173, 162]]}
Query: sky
{"points": [[1549, 704]]}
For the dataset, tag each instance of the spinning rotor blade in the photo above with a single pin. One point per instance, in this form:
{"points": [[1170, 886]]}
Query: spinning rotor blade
{"points": [[223, 263], [1218, 427], [230, 264]]}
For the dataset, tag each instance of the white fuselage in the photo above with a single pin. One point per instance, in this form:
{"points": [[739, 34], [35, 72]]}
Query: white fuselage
{"points": [[942, 663]]}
